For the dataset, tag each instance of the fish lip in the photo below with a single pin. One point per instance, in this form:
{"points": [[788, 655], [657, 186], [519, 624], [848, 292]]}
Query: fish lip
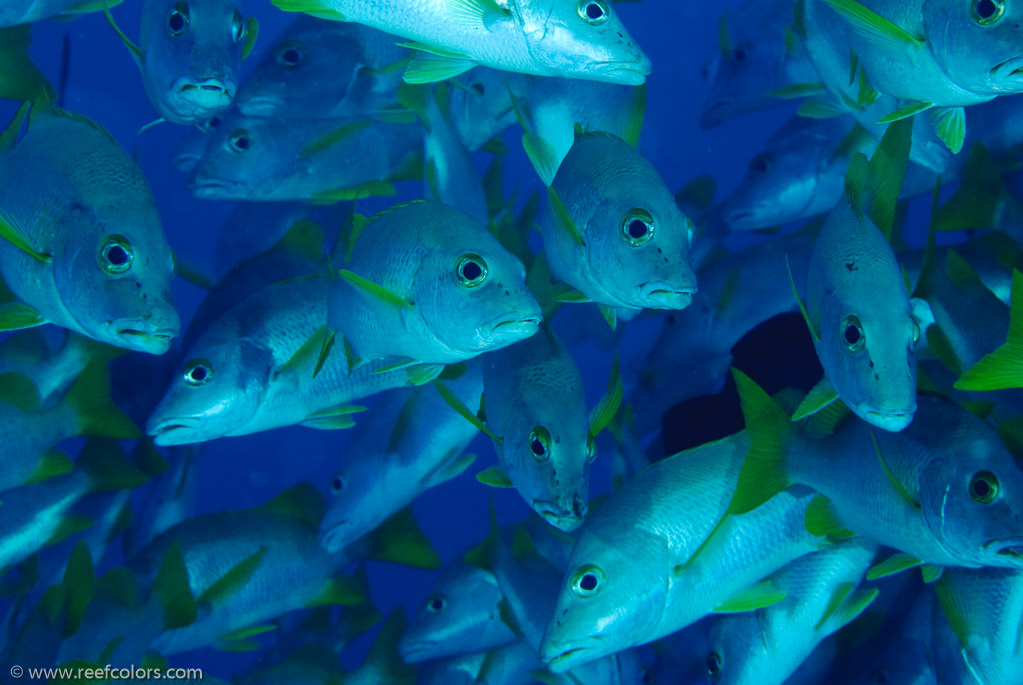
{"points": [[260, 105], [410, 652], [1014, 65], [506, 327], [213, 188], [666, 295], [570, 655], [893, 420], [627, 73], [329, 536], [1010, 548], [172, 427], [149, 340], [736, 219], [560, 517], [711, 116]]}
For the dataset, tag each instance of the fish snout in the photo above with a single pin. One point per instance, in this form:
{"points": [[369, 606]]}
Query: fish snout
{"points": [[562, 657], [716, 113], [1005, 552], [336, 536], [202, 97], [152, 335], [892, 420], [666, 294], [173, 430], [564, 518]]}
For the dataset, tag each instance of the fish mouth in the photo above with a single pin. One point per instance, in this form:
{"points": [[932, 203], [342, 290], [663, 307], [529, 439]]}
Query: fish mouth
{"points": [[666, 295], [216, 189], [1008, 552], [626, 73], [152, 340], [741, 220], [1010, 70], [260, 105], [567, 657], [517, 328], [334, 539], [200, 98], [893, 420], [715, 115], [562, 518], [174, 431], [416, 652]]}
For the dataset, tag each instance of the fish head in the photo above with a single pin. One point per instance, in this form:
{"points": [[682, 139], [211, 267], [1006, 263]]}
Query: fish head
{"points": [[778, 185], [245, 158], [114, 274], [611, 598], [192, 148], [193, 52], [971, 491], [461, 613], [216, 391], [738, 650], [636, 238], [312, 63], [977, 43], [742, 77], [482, 108], [472, 293], [581, 39]]}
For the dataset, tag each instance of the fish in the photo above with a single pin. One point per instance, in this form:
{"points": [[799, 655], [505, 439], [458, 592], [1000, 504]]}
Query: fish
{"points": [[52, 362], [170, 499], [760, 58], [275, 160], [944, 491], [1000, 368], [190, 54], [29, 431], [907, 51], [21, 12], [253, 370], [857, 301], [660, 554], [535, 402], [981, 608], [465, 295], [42, 513], [611, 230], [412, 441], [83, 248], [823, 593], [567, 39], [318, 69]]}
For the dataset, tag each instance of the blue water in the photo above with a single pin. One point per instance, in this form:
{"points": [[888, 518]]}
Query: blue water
{"points": [[678, 35]]}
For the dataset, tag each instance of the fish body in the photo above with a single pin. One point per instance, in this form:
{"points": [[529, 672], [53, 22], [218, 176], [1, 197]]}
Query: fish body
{"points": [[16, 12], [191, 55], [410, 442], [323, 69], [236, 378], [52, 367], [453, 290], [621, 240], [563, 38], [768, 645], [864, 331], [274, 160], [76, 198], [535, 402]]}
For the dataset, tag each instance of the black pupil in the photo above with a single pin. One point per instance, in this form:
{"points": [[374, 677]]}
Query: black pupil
{"points": [[337, 483], [588, 582], [116, 255], [881, 678], [214, 122], [198, 374], [177, 21], [291, 56], [471, 271], [761, 164], [713, 664], [981, 488], [479, 88], [740, 55], [437, 604], [595, 11], [637, 228], [852, 335], [241, 142], [538, 447], [986, 9]]}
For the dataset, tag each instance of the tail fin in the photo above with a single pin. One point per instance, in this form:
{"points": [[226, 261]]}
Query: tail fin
{"points": [[97, 414], [20, 79], [1003, 368], [762, 476]]}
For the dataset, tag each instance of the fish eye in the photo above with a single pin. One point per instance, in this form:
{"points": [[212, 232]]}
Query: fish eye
{"points": [[739, 54], [879, 678], [177, 20], [646, 678], [198, 371], [479, 89], [436, 603], [471, 270], [984, 487], [761, 164], [239, 29], [291, 55], [988, 12], [594, 12], [115, 254], [540, 443], [214, 123], [852, 334], [637, 228], [714, 663], [587, 580], [239, 141], [337, 483]]}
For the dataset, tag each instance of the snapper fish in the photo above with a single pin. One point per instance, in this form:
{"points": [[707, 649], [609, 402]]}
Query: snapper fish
{"points": [[190, 54], [18, 12], [583, 39], [83, 248]]}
